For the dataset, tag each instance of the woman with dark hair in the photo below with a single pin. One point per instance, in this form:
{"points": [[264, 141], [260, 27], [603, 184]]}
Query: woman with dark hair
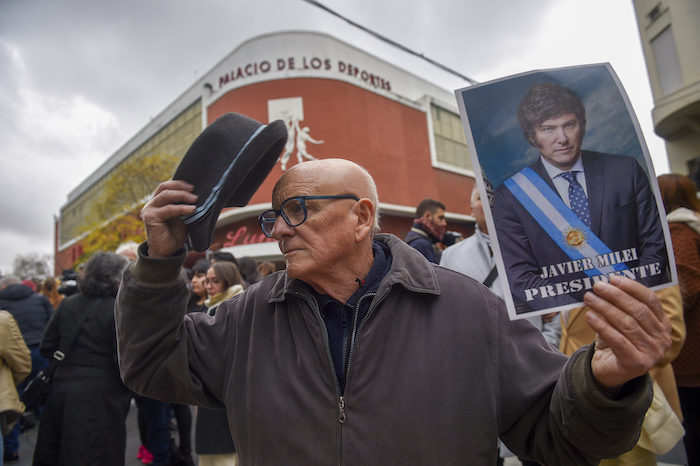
{"points": [[249, 270], [198, 290], [212, 437], [683, 215], [83, 421], [224, 281]]}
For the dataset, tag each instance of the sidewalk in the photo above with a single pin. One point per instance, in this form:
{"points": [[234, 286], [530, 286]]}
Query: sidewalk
{"points": [[27, 441]]}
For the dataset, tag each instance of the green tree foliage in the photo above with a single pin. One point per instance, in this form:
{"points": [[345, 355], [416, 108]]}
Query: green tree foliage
{"points": [[107, 237], [33, 266], [115, 215], [130, 183]]}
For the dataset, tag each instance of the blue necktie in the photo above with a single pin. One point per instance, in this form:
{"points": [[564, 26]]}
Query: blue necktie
{"points": [[577, 198]]}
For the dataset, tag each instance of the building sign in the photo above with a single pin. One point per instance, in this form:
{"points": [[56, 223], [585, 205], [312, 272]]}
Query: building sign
{"points": [[242, 236], [306, 54], [301, 64]]}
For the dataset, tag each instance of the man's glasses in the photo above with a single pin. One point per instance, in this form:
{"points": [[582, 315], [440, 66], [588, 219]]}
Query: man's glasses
{"points": [[293, 211]]}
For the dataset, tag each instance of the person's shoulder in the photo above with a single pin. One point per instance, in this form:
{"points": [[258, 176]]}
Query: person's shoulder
{"points": [[503, 190], [463, 293], [683, 231], [457, 249], [622, 160], [454, 281], [616, 167], [9, 329], [271, 287], [43, 299], [16, 292], [414, 235]]}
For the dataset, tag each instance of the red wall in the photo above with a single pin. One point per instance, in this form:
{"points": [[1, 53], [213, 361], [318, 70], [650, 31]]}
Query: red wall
{"points": [[388, 138]]}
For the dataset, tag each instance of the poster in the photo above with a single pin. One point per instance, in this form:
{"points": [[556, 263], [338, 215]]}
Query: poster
{"points": [[573, 197]]}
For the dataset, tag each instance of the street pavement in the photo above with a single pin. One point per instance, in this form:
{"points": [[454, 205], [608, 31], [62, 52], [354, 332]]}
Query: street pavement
{"points": [[27, 441]]}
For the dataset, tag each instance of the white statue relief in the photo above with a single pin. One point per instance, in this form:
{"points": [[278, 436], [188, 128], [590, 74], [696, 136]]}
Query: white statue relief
{"points": [[289, 121], [302, 137], [297, 135], [291, 111]]}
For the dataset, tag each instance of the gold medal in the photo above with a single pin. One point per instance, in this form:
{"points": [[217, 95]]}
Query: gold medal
{"points": [[574, 238]]}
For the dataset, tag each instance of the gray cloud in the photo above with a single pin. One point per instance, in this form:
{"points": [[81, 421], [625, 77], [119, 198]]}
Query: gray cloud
{"points": [[78, 78]]}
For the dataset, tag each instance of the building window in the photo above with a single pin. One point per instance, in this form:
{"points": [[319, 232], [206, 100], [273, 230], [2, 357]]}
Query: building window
{"points": [[450, 144], [668, 67]]}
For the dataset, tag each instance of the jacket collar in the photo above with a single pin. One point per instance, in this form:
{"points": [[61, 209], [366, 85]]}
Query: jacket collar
{"points": [[408, 268], [687, 216]]}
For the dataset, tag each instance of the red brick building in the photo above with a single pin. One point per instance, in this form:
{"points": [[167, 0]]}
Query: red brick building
{"points": [[339, 102]]}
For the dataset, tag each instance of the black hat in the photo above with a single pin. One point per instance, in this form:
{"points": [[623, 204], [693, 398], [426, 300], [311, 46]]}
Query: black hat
{"points": [[227, 163]]}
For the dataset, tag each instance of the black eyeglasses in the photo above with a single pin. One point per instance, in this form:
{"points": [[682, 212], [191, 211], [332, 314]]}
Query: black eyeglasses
{"points": [[293, 211]]}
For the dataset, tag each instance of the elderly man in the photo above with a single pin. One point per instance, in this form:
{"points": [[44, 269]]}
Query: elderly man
{"points": [[363, 352]]}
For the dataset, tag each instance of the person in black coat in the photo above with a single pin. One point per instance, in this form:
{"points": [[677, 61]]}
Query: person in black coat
{"points": [[83, 421]]}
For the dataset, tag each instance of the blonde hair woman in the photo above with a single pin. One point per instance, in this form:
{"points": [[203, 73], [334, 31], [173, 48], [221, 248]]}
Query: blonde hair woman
{"points": [[50, 289]]}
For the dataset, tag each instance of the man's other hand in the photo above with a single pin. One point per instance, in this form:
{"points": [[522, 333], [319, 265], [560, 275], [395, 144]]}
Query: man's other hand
{"points": [[633, 331], [165, 231]]}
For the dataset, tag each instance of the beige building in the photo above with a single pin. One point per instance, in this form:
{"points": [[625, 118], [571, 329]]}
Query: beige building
{"points": [[671, 42]]}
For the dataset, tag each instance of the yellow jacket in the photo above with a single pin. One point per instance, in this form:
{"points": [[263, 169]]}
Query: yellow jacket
{"points": [[15, 366], [575, 333]]}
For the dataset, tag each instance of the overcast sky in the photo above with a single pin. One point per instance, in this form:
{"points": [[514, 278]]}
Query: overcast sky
{"points": [[80, 78]]}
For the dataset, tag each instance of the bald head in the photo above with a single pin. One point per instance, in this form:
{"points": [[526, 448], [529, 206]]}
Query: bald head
{"points": [[328, 244], [328, 176]]}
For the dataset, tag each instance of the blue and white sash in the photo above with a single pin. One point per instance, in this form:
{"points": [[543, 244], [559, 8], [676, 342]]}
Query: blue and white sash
{"points": [[559, 221]]}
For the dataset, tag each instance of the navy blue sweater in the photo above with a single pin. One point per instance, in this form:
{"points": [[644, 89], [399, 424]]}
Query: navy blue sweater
{"points": [[339, 317]]}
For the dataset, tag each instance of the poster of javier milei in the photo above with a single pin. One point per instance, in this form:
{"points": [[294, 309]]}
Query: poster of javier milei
{"points": [[572, 197]]}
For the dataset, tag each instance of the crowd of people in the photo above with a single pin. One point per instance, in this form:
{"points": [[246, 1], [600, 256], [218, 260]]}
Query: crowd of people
{"points": [[88, 402], [361, 343], [267, 334]]}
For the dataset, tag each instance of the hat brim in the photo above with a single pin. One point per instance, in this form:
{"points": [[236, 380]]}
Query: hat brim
{"points": [[226, 164]]}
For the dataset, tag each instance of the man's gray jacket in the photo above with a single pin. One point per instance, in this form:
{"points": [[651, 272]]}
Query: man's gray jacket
{"points": [[473, 258], [436, 372]]}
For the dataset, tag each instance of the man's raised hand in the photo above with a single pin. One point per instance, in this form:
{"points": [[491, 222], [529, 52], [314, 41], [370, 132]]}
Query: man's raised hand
{"points": [[165, 231]]}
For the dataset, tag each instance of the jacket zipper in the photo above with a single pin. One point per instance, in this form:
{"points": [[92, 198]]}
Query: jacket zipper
{"points": [[342, 418], [356, 328], [341, 407], [314, 305]]}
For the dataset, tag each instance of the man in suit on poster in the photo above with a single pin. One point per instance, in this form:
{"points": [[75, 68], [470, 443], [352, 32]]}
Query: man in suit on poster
{"points": [[574, 216]]}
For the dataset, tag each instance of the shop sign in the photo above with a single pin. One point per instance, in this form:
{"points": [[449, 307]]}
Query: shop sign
{"points": [[241, 236]]}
